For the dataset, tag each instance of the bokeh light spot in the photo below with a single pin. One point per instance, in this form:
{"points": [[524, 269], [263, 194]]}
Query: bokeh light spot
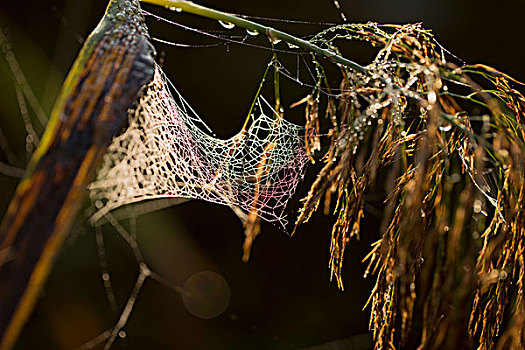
{"points": [[206, 294]]}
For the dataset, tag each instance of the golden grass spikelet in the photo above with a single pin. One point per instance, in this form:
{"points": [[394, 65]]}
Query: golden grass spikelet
{"points": [[448, 146]]}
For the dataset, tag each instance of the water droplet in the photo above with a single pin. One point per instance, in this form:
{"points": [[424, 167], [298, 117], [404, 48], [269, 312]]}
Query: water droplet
{"points": [[274, 40], [445, 128], [227, 25], [252, 32], [432, 98], [122, 334], [121, 16], [477, 206]]}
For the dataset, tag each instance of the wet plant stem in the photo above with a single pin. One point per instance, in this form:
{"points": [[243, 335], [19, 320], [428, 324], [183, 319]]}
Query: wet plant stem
{"points": [[273, 34]]}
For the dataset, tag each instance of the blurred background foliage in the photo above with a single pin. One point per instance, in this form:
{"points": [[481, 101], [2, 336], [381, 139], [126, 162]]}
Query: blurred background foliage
{"points": [[281, 298]]}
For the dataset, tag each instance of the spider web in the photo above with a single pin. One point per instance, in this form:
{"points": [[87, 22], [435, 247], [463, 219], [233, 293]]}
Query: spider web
{"points": [[164, 153], [255, 171]]}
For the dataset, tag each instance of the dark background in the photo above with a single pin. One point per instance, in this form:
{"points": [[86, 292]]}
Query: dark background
{"points": [[282, 298]]}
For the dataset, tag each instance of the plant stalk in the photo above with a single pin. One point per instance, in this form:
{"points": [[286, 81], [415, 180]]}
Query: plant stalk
{"points": [[272, 33], [114, 64]]}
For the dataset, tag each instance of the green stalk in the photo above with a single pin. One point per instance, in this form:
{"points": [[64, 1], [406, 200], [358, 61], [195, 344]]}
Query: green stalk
{"points": [[273, 34]]}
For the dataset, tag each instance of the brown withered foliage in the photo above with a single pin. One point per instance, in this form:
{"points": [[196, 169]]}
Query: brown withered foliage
{"points": [[446, 141]]}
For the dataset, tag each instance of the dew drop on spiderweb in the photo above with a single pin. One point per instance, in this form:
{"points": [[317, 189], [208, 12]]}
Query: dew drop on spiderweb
{"points": [[166, 152], [227, 25], [252, 32]]}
